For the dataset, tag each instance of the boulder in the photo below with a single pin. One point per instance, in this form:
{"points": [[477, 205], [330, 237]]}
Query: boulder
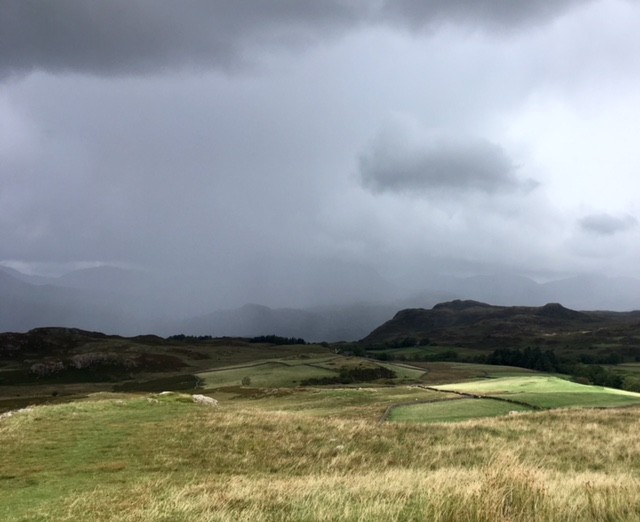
{"points": [[203, 399]]}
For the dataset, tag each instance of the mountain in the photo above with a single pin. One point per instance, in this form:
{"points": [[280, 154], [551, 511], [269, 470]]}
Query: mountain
{"points": [[130, 302], [476, 324], [314, 283], [584, 292], [321, 323], [499, 289], [105, 279], [595, 292], [317, 324], [122, 301], [26, 278], [24, 306]]}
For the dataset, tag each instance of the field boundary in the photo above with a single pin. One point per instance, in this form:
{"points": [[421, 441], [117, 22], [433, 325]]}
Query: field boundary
{"points": [[479, 396], [262, 362], [462, 395]]}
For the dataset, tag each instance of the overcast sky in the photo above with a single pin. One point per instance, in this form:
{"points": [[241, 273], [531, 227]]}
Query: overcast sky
{"points": [[236, 141]]}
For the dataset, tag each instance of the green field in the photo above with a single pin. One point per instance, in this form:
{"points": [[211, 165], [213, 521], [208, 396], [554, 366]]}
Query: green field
{"points": [[289, 372], [370, 402], [453, 410], [534, 392], [269, 374], [404, 371], [366, 403], [548, 392], [449, 372]]}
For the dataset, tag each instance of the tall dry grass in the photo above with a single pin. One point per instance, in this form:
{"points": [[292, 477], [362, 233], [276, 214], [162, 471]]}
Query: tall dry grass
{"points": [[502, 490], [184, 463]]}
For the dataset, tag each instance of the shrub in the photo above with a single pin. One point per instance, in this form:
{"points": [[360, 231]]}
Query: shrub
{"points": [[276, 339], [99, 360], [44, 369], [631, 384]]}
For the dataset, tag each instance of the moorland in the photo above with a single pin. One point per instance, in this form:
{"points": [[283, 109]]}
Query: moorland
{"points": [[421, 420]]}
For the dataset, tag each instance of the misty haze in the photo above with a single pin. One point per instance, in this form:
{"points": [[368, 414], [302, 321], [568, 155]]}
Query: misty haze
{"points": [[309, 170]]}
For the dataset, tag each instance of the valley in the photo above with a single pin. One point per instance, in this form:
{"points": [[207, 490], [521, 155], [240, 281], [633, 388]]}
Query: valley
{"points": [[108, 427]]}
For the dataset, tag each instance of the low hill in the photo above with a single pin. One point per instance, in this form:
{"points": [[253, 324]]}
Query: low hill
{"points": [[59, 364], [472, 323]]}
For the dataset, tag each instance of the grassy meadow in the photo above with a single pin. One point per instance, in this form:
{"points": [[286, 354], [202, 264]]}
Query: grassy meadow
{"points": [[408, 446], [162, 457]]}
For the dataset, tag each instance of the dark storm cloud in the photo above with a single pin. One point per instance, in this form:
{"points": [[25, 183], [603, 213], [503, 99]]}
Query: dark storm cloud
{"points": [[223, 144], [395, 163], [487, 14], [122, 36], [138, 36], [606, 224]]}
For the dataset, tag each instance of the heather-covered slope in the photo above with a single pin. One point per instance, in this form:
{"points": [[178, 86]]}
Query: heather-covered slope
{"points": [[471, 323]]}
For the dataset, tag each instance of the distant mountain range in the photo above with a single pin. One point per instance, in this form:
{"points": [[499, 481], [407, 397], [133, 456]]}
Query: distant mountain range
{"points": [[584, 292], [24, 306], [132, 302], [318, 324]]}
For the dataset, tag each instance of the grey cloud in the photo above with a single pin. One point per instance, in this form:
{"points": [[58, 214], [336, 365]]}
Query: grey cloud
{"points": [[438, 164], [496, 15], [606, 224], [123, 36], [132, 146], [140, 36]]}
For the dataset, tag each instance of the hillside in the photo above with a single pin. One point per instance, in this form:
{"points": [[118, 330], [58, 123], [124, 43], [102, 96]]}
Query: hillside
{"points": [[53, 364], [483, 326]]}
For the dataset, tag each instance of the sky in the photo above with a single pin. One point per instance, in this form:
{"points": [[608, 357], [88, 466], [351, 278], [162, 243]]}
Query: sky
{"points": [[271, 151]]}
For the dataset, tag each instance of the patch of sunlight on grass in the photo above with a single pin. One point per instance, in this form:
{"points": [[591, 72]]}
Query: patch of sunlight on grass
{"points": [[453, 410]]}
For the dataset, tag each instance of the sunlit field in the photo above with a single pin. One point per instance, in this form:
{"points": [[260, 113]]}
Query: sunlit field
{"points": [[548, 392], [454, 411]]}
